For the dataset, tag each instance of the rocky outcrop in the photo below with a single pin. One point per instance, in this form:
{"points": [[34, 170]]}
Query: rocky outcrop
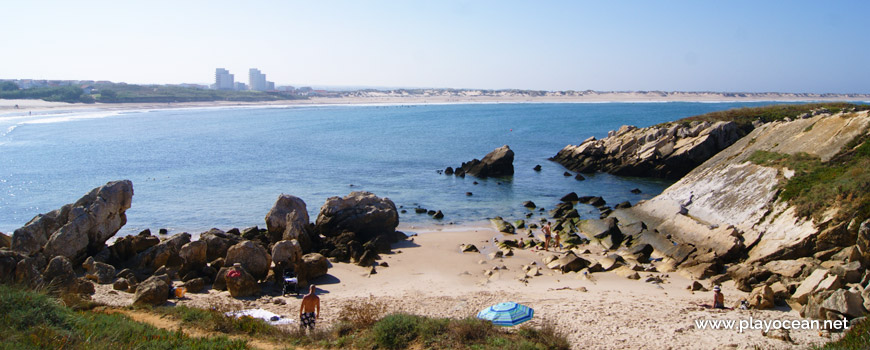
{"points": [[127, 247], [153, 291], [729, 205], [668, 151], [79, 228], [96, 271], [362, 213], [726, 215], [240, 283], [499, 162], [288, 219], [252, 257], [218, 243]]}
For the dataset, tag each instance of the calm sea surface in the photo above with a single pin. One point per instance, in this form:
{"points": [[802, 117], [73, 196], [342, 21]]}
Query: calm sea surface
{"points": [[193, 169]]}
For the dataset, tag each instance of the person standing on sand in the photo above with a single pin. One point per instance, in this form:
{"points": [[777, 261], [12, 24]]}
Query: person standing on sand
{"points": [[309, 311], [546, 231]]}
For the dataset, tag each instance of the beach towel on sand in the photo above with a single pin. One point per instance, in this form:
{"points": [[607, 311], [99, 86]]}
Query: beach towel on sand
{"points": [[271, 318]]}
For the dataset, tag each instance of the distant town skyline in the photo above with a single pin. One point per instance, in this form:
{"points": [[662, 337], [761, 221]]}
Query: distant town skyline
{"points": [[745, 46]]}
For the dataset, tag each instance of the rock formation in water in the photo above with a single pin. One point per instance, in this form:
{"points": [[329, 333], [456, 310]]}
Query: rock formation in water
{"points": [[668, 151], [499, 162], [728, 212]]}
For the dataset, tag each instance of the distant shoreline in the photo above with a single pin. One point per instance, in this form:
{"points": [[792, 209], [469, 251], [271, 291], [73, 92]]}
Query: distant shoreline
{"points": [[7, 107]]}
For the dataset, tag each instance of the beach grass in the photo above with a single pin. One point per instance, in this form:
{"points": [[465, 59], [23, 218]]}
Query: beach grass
{"points": [[818, 186], [366, 326], [744, 117], [35, 320], [856, 338]]}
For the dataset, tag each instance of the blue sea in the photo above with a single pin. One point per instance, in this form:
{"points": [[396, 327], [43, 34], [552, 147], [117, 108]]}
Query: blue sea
{"points": [[194, 169]]}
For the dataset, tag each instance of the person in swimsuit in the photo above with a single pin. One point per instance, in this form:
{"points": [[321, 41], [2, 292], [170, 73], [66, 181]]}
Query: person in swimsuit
{"points": [[718, 298], [309, 311], [546, 230]]}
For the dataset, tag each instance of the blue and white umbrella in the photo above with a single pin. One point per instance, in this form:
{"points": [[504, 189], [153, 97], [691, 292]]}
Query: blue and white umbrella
{"points": [[506, 314]]}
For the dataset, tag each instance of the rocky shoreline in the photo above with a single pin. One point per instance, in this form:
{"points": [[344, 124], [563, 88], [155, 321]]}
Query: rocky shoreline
{"points": [[66, 249]]}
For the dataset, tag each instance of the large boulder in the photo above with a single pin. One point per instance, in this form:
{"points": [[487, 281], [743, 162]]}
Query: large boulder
{"points": [[240, 283], [569, 263], [499, 162], [363, 213], [288, 252], [761, 298], [28, 272], [288, 217], [253, 257], [314, 265], [194, 255], [845, 302], [8, 262], [153, 291], [79, 228], [502, 225], [125, 248], [99, 272], [604, 231], [218, 243], [808, 286], [165, 253], [59, 273]]}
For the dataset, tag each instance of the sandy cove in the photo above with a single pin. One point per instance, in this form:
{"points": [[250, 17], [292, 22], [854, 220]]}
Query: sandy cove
{"points": [[428, 275]]}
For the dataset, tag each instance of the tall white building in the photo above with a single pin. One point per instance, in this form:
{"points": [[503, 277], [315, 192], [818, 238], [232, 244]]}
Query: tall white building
{"points": [[257, 80], [223, 80]]}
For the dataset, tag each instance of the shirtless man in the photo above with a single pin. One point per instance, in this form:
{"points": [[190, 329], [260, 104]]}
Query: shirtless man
{"points": [[309, 311], [546, 230]]}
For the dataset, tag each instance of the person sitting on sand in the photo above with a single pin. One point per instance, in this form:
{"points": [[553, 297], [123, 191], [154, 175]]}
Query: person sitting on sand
{"points": [[521, 244], [718, 298], [546, 231], [309, 311]]}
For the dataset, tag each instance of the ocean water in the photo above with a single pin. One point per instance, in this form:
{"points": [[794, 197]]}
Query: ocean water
{"points": [[194, 169]]}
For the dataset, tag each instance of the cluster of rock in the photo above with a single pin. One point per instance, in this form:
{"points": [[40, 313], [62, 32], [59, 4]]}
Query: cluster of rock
{"points": [[66, 249], [724, 221], [656, 151], [499, 162]]}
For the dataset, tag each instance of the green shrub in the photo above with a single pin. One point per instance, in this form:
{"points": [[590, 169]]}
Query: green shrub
{"points": [[33, 320], [395, 331], [856, 338]]}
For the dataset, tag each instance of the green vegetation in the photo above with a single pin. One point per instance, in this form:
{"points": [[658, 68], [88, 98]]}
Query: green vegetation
{"points": [[122, 93], [55, 94], [365, 326], [32, 320], [843, 181], [214, 320], [856, 338], [744, 117]]}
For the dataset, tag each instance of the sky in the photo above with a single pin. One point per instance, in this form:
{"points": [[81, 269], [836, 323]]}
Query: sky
{"points": [[734, 46]]}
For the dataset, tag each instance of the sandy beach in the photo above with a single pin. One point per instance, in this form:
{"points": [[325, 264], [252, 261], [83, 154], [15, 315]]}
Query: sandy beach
{"points": [[8, 107], [428, 275]]}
